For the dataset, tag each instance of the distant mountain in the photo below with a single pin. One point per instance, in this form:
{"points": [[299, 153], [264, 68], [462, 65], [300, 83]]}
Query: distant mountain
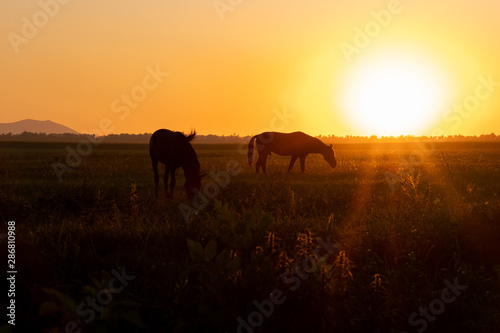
{"points": [[34, 126]]}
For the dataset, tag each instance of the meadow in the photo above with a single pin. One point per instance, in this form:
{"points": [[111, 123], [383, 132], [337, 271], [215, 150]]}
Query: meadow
{"points": [[393, 239]]}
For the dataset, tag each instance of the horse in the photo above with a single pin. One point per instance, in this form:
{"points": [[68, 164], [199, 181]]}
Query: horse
{"points": [[174, 150], [296, 144]]}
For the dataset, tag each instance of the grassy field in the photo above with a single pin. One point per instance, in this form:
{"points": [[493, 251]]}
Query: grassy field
{"points": [[394, 239]]}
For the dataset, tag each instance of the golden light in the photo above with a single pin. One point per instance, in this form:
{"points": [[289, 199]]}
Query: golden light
{"points": [[394, 93]]}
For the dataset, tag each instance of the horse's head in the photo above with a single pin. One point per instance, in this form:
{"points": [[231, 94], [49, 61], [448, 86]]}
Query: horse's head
{"points": [[329, 156], [192, 186]]}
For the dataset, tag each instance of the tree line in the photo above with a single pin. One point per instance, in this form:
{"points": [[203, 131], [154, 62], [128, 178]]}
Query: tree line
{"points": [[234, 138]]}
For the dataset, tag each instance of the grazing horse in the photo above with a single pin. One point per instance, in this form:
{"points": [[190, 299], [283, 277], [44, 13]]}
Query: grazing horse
{"points": [[174, 150], [296, 144]]}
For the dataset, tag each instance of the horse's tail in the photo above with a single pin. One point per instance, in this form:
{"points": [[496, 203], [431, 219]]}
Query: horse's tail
{"points": [[152, 143], [191, 135], [250, 150]]}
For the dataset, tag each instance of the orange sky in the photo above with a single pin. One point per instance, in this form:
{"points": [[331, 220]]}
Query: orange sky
{"points": [[234, 75]]}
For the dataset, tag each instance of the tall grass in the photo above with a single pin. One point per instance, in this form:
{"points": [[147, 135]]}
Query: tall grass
{"points": [[395, 247]]}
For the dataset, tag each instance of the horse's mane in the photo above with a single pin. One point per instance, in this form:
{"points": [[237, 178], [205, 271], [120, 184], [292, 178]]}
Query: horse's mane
{"points": [[191, 135], [192, 160]]}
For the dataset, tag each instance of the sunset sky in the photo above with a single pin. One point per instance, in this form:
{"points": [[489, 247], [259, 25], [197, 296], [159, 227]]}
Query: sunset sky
{"points": [[332, 67]]}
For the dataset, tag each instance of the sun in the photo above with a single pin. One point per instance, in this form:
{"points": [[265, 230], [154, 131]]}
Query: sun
{"points": [[394, 93]]}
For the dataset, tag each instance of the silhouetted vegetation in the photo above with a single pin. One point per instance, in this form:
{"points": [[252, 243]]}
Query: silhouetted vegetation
{"points": [[401, 227]]}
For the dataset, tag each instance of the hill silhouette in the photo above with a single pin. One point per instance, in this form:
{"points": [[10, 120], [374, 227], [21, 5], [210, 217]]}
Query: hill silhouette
{"points": [[35, 126]]}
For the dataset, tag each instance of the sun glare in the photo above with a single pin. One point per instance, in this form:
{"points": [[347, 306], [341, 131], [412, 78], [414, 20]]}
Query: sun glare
{"points": [[394, 94]]}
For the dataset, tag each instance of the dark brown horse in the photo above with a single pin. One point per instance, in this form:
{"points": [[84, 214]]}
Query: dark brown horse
{"points": [[296, 144], [174, 150]]}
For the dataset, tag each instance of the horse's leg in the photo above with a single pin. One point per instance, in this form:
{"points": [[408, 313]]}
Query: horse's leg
{"points": [[258, 164], [302, 163], [264, 161], [165, 180], [156, 176], [261, 161], [172, 181], [292, 162]]}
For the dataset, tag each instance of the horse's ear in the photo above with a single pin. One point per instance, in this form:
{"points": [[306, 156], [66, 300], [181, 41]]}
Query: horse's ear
{"points": [[331, 146]]}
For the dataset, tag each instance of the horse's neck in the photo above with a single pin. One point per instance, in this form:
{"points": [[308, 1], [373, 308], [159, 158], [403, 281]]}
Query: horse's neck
{"points": [[320, 147], [189, 162], [191, 169]]}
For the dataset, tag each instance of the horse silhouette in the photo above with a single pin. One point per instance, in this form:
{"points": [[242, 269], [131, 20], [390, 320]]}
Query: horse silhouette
{"points": [[174, 150], [296, 144]]}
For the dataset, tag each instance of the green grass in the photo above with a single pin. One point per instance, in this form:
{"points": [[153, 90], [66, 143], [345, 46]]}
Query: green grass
{"points": [[440, 221]]}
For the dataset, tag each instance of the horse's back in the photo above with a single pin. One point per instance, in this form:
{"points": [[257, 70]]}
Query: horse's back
{"points": [[289, 137], [161, 135], [164, 145], [164, 136], [295, 143]]}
